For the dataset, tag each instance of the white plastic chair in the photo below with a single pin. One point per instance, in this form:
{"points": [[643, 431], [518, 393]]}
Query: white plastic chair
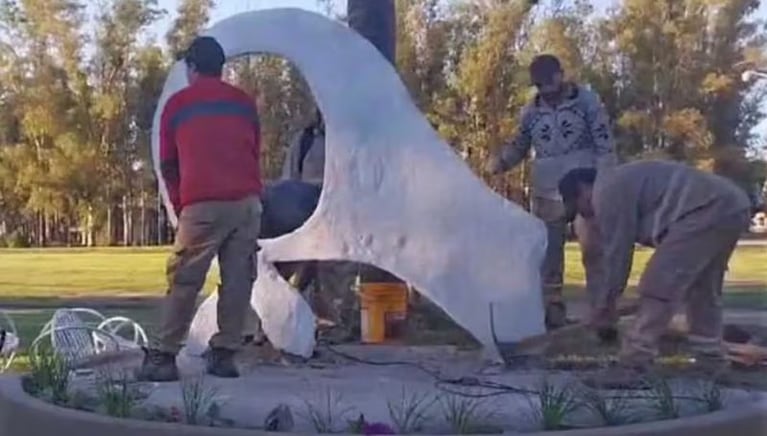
{"points": [[9, 341], [77, 340]]}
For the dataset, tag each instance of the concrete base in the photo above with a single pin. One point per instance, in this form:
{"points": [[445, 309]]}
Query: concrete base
{"points": [[359, 388]]}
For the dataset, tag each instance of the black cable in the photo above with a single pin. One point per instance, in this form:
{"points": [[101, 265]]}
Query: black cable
{"points": [[380, 363], [498, 389], [439, 381]]}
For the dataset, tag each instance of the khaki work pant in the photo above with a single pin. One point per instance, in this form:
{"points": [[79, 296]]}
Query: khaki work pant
{"points": [[552, 213], [229, 230], [688, 267]]}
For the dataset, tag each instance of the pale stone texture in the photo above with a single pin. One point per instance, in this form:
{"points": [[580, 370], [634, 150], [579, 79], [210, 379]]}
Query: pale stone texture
{"points": [[395, 195]]}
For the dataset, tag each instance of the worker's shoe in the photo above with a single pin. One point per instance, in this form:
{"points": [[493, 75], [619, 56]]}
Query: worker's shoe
{"points": [[220, 363], [556, 315], [157, 366]]}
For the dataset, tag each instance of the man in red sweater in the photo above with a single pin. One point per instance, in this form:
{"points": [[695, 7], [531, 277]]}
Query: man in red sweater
{"points": [[209, 157]]}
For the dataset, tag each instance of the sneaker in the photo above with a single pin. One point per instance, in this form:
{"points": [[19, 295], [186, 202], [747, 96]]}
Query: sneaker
{"points": [[556, 316], [220, 363], [158, 366]]}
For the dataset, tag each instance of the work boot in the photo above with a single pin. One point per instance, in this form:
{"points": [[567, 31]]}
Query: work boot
{"points": [[220, 363], [157, 366], [556, 315]]}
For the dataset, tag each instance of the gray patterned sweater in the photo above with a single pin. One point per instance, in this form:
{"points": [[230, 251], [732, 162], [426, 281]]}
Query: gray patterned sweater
{"points": [[575, 134]]}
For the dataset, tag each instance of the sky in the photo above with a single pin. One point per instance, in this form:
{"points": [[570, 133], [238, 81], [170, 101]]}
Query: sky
{"points": [[226, 8]]}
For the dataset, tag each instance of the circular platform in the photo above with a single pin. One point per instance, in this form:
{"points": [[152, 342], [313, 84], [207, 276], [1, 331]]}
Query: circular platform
{"points": [[342, 389]]}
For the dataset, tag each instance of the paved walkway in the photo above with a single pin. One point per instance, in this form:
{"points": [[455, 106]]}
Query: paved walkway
{"points": [[753, 242]]}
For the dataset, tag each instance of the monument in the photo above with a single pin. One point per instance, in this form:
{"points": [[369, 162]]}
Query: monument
{"points": [[395, 195]]}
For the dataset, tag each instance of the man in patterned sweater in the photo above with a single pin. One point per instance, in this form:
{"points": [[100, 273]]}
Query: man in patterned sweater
{"points": [[567, 127]]}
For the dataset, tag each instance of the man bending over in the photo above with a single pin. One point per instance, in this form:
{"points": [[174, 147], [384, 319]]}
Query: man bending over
{"points": [[692, 218]]}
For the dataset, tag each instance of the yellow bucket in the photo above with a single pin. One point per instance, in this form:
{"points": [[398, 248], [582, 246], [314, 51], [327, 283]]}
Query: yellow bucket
{"points": [[383, 311]]}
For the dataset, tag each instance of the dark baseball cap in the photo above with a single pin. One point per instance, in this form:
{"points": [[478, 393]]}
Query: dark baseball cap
{"points": [[545, 66], [207, 56]]}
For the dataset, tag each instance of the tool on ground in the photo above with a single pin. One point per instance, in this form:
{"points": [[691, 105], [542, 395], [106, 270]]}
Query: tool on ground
{"points": [[742, 355]]}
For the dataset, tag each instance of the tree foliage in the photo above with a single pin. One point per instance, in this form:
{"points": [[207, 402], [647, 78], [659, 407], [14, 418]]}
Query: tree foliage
{"points": [[80, 82]]}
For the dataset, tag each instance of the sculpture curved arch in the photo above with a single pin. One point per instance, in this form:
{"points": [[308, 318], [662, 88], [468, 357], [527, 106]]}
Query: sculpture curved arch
{"points": [[395, 195]]}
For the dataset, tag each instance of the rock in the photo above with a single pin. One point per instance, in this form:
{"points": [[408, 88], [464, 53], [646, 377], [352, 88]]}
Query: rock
{"points": [[279, 420]]}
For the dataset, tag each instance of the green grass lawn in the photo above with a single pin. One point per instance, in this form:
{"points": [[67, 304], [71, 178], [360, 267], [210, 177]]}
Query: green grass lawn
{"points": [[748, 267], [125, 281], [123, 273], [104, 273]]}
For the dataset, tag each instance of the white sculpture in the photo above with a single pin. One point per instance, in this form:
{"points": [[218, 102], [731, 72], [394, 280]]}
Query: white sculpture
{"points": [[395, 195]]}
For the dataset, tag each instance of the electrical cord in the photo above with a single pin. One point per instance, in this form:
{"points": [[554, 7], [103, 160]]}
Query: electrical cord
{"points": [[491, 389], [441, 382]]}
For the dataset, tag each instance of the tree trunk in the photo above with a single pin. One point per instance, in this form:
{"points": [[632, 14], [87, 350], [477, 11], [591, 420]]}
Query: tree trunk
{"points": [[159, 218], [377, 22], [110, 230], [89, 239], [41, 229], [142, 238], [49, 223], [126, 222]]}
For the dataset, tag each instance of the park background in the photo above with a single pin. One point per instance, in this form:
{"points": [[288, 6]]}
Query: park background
{"points": [[80, 79], [79, 83]]}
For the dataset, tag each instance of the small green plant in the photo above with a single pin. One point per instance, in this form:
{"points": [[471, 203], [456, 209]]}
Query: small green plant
{"points": [[117, 394], [611, 410], [553, 405], [81, 400], [467, 415], [409, 411], [199, 401], [280, 419], [49, 375], [711, 395], [327, 413], [662, 399]]}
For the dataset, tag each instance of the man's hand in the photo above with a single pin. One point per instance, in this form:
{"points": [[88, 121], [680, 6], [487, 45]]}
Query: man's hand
{"points": [[495, 165]]}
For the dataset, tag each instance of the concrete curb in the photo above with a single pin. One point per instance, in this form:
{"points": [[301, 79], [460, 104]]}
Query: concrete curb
{"points": [[23, 415]]}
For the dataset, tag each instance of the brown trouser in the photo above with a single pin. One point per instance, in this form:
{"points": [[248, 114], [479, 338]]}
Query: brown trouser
{"points": [[552, 213], [687, 267], [229, 230]]}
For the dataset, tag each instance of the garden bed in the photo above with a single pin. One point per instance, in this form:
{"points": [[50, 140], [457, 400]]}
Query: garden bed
{"points": [[331, 393]]}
